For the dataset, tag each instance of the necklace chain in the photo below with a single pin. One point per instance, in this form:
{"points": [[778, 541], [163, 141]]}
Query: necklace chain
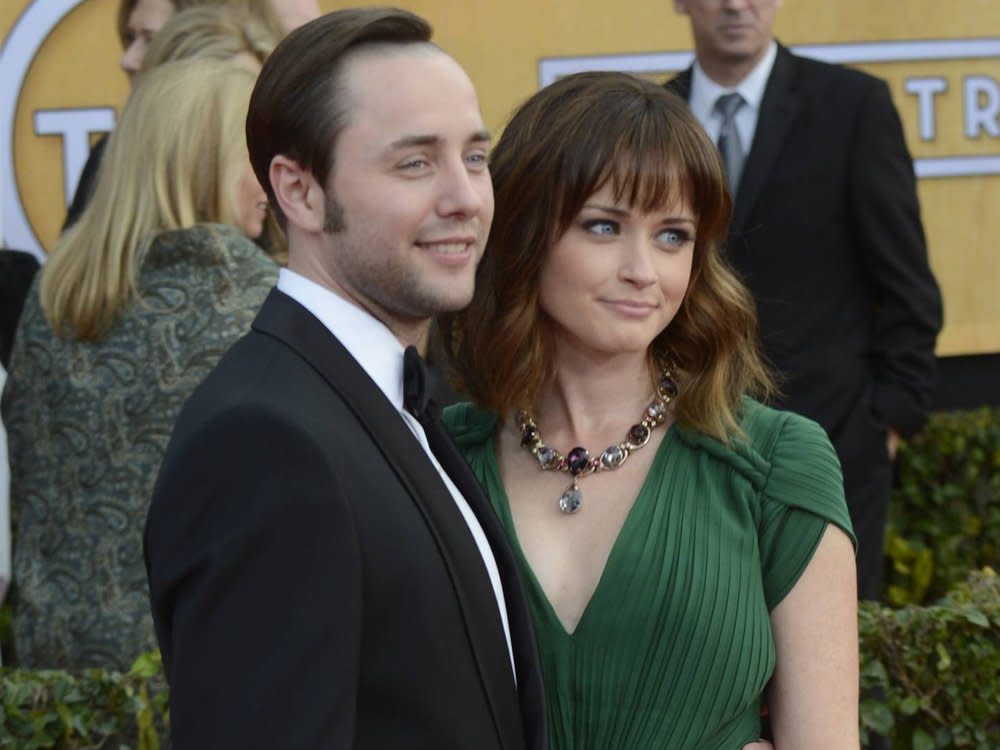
{"points": [[579, 462]]}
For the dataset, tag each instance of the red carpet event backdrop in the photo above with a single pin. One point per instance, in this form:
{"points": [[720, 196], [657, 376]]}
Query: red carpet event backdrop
{"points": [[60, 88]]}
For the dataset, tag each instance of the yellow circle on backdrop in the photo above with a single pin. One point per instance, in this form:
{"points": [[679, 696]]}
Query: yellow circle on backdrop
{"points": [[76, 67]]}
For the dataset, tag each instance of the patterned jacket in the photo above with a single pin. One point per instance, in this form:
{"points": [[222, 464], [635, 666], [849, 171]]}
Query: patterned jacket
{"points": [[88, 424]]}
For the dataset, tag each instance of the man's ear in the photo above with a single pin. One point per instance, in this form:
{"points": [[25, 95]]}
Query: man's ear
{"points": [[299, 195]]}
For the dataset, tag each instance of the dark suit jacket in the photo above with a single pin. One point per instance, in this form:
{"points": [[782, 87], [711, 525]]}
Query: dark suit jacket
{"points": [[17, 270], [313, 584], [826, 232], [88, 180]]}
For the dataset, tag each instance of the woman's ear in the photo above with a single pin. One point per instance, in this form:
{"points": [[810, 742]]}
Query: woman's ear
{"points": [[298, 193]]}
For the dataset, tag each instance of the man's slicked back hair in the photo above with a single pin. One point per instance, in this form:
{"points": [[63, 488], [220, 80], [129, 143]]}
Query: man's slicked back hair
{"points": [[298, 106]]}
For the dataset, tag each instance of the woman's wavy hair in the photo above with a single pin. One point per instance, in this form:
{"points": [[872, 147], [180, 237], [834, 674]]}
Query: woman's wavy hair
{"points": [[561, 146], [173, 161]]}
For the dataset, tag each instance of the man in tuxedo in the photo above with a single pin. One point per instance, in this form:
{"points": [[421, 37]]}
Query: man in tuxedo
{"points": [[324, 570], [826, 232]]}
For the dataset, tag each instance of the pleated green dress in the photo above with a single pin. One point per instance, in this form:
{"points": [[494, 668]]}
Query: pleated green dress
{"points": [[674, 650]]}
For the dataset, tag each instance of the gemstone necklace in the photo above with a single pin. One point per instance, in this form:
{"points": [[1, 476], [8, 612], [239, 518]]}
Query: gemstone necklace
{"points": [[578, 462]]}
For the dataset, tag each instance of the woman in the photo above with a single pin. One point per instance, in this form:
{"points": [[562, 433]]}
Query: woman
{"points": [[701, 565], [230, 34], [135, 305], [212, 32], [138, 23]]}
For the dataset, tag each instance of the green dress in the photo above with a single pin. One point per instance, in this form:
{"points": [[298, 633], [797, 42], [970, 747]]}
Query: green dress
{"points": [[674, 650]]}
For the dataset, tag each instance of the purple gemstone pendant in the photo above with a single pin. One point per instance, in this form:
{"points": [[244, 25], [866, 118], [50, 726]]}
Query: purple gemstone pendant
{"points": [[577, 460]]}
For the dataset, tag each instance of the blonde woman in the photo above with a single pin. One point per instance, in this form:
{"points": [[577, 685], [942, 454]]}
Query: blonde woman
{"points": [[138, 23], [136, 304], [227, 33], [213, 32]]}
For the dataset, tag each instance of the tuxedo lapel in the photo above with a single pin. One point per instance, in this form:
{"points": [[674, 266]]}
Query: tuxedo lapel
{"points": [[286, 320], [530, 686], [778, 109]]}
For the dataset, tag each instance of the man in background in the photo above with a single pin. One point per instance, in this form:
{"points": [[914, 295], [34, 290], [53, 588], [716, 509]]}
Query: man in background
{"points": [[826, 232]]}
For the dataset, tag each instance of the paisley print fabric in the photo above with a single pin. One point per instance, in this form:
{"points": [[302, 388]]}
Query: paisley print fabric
{"points": [[88, 424]]}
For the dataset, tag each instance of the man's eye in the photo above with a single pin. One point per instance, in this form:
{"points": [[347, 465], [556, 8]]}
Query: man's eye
{"points": [[414, 164]]}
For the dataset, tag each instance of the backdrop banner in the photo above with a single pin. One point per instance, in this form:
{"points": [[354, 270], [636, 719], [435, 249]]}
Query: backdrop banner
{"points": [[61, 88]]}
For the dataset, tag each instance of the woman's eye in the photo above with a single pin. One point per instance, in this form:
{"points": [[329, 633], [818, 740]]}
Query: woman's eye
{"points": [[675, 237], [602, 227]]}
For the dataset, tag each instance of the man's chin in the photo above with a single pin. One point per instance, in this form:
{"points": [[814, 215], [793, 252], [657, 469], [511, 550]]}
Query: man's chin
{"points": [[453, 303]]}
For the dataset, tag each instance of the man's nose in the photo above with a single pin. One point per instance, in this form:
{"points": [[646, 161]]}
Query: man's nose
{"points": [[461, 194]]}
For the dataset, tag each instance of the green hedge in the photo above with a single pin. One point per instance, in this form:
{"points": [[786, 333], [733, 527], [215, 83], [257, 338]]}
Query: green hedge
{"points": [[936, 667], [93, 709], [944, 518]]}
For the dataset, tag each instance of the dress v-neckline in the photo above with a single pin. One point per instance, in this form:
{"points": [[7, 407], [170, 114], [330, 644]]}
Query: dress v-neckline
{"points": [[532, 581]]}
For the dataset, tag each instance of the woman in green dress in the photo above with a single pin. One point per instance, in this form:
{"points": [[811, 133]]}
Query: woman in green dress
{"points": [[687, 550]]}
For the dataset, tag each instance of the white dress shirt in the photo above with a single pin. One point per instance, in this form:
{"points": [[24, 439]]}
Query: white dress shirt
{"points": [[380, 354], [705, 92]]}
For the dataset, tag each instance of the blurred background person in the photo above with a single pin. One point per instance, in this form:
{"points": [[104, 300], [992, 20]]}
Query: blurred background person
{"points": [[227, 33], [697, 560], [17, 269], [137, 302], [139, 21], [827, 235], [213, 32]]}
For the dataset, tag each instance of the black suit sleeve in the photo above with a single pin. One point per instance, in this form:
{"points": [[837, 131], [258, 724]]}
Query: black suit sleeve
{"points": [[908, 301], [17, 271], [255, 578], [85, 187]]}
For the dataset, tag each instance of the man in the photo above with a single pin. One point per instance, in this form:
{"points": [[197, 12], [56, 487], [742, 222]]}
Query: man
{"points": [[826, 231], [317, 579], [17, 270]]}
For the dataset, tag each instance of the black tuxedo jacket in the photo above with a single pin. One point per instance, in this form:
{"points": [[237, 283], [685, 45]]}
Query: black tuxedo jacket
{"points": [[313, 584], [826, 232]]}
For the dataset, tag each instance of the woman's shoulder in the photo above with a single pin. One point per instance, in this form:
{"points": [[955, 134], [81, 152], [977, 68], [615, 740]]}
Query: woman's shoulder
{"points": [[772, 442], [469, 425], [767, 429], [206, 244], [208, 259]]}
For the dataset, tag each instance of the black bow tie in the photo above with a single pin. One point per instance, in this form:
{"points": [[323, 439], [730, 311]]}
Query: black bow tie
{"points": [[416, 384]]}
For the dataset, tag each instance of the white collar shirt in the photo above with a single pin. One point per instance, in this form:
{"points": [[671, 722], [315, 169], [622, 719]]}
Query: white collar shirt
{"points": [[705, 92], [380, 354]]}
